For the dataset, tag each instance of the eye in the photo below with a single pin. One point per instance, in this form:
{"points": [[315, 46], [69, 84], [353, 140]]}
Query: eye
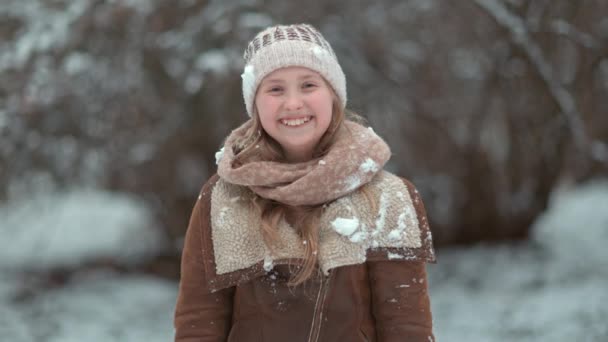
{"points": [[274, 89], [309, 85]]}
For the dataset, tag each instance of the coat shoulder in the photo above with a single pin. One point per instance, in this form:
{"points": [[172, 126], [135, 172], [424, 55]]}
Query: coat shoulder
{"points": [[406, 192]]}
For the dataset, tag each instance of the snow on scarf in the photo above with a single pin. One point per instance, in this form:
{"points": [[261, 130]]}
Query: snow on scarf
{"points": [[357, 155]]}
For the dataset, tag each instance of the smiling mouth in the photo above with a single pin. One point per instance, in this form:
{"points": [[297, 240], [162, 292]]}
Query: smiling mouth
{"points": [[296, 122]]}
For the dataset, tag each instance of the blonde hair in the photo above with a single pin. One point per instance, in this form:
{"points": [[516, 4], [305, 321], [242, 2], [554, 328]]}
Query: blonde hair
{"points": [[257, 145]]}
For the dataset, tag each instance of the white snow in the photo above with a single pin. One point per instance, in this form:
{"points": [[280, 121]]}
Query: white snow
{"points": [[213, 61], [268, 264], [65, 229], [353, 182], [99, 306], [46, 30], [369, 166], [381, 215], [393, 256], [394, 234], [142, 152], [358, 237], [218, 156], [248, 77], [77, 62], [223, 212], [254, 20], [574, 236], [345, 226], [401, 220], [552, 288], [599, 151], [468, 64]]}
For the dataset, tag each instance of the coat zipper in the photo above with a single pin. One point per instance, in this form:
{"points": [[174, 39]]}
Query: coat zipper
{"points": [[317, 318]]}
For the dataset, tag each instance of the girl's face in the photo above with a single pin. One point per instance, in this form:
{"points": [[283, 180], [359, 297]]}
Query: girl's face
{"points": [[294, 105]]}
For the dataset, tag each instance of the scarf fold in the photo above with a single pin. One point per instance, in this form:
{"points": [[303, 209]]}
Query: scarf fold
{"points": [[357, 155]]}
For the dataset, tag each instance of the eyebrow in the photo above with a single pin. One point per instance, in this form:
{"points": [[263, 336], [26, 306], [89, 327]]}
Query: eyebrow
{"points": [[278, 80]]}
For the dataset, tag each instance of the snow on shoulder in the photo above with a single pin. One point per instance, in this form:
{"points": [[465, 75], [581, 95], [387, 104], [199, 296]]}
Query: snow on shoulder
{"points": [[394, 223], [345, 226]]}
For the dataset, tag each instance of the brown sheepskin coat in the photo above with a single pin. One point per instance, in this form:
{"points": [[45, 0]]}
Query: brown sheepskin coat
{"points": [[373, 285]]}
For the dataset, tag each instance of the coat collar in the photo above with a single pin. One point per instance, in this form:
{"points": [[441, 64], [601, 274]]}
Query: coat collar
{"points": [[352, 232]]}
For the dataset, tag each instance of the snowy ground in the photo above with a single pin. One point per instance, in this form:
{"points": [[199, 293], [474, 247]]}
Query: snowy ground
{"points": [[96, 307], [552, 288], [63, 230]]}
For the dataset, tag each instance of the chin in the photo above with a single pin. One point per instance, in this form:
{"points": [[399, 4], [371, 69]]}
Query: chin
{"points": [[300, 145]]}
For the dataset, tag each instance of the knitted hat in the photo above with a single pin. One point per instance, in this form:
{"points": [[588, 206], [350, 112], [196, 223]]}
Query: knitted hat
{"points": [[290, 45]]}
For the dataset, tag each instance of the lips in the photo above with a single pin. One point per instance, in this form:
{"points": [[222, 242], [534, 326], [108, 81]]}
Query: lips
{"points": [[296, 121]]}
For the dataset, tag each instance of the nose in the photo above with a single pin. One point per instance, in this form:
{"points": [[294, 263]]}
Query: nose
{"points": [[293, 101]]}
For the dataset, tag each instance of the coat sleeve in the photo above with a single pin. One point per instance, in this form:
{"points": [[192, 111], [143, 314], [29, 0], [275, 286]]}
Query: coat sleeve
{"points": [[399, 289], [200, 315], [400, 301]]}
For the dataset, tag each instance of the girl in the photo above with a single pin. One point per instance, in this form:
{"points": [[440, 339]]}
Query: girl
{"points": [[301, 235]]}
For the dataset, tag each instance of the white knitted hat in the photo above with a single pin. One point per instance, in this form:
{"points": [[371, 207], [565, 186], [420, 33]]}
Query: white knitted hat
{"points": [[290, 45]]}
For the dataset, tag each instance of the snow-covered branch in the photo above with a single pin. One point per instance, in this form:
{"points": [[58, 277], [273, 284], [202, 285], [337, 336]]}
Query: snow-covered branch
{"points": [[562, 96], [564, 28]]}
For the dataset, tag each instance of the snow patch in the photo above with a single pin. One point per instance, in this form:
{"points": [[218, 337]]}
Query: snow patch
{"points": [[395, 234], [552, 288], [368, 166], [345, 226], [254, 20], [353, 182], [358, 237], [214, 61], [393, 256], [223, 212], [248, 76], [103, 306], [576, 221], [65, 229], [381, 215], [268, 264], [218, 156], [77, 62]]}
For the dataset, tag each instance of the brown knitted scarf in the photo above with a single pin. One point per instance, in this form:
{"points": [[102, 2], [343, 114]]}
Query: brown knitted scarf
{"points": [[352, 161]]}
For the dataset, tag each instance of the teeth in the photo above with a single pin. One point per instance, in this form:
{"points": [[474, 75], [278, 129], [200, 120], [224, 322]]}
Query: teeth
{"points": [[295, 122]]}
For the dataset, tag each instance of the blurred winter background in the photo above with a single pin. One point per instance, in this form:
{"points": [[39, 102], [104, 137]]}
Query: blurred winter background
{"points": [[111, 112]]}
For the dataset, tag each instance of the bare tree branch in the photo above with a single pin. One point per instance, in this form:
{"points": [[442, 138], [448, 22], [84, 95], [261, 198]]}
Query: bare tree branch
{"points": [[564, 28], [564, 99]]}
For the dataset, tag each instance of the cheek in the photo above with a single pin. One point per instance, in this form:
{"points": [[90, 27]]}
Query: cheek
{"points": [[265, 105], [324, 106], [267, 121]]}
